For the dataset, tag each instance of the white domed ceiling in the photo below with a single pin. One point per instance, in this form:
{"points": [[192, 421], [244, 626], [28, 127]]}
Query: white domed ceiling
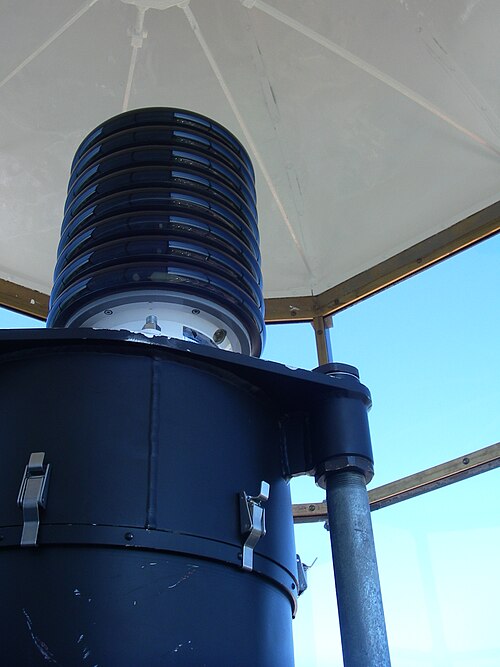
{"points": [[374, 127]]}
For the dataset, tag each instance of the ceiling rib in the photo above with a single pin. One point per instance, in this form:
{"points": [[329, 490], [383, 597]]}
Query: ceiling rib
{"points": [[246, 132], [137, 37], [48, 42], [372, 71]]}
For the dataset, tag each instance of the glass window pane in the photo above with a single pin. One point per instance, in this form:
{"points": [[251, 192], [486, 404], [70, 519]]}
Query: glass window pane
{"points": [[438, 564], [291, 344], [428, 349], [9, 319], [438, 561]]}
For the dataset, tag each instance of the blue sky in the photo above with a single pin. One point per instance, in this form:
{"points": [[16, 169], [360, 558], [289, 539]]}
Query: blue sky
{"points": [[428, 349]]}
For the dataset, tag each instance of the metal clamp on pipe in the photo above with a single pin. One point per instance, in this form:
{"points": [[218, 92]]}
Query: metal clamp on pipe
{"points": [[340, 435]]}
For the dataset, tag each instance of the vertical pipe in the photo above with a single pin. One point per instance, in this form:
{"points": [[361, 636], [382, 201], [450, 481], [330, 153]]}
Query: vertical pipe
{"points": [[320, 325], [359, 600]]}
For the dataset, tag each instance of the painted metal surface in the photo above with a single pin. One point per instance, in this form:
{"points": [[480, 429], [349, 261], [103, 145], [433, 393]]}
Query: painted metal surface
{"points": [[137, 558], [133, 429]]}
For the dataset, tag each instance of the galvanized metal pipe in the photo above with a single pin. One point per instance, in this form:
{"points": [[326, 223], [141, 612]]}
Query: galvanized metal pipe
{"points": [[359, 600]]}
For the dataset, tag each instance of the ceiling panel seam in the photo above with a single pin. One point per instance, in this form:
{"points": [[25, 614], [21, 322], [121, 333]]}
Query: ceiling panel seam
{"points": [[246, 132], [137, 36], [48, 42]]}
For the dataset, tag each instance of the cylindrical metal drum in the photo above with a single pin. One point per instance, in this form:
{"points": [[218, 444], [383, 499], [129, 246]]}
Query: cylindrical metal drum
{"points": [[138, 559]]}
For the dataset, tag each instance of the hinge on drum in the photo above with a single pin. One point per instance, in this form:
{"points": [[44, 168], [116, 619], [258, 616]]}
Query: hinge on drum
{"points": [[33, 496], [252, 522]]}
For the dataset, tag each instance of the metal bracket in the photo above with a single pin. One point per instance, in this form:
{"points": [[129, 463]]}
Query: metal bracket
{"points": [[302, 574], [252, 521], [33, 496]]}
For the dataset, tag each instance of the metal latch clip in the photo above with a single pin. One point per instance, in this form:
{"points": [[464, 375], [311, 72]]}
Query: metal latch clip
{"points": [[302, 574], [33, 496], [252, 521]]}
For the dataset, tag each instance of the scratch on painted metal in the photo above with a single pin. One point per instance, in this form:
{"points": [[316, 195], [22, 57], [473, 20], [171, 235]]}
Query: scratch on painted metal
{"points": [[188, 574], [179, 646], [40, 645]]}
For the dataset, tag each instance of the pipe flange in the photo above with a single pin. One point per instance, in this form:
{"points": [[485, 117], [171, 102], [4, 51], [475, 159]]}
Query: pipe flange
{"points": [[343, 462], [336, 369]]}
